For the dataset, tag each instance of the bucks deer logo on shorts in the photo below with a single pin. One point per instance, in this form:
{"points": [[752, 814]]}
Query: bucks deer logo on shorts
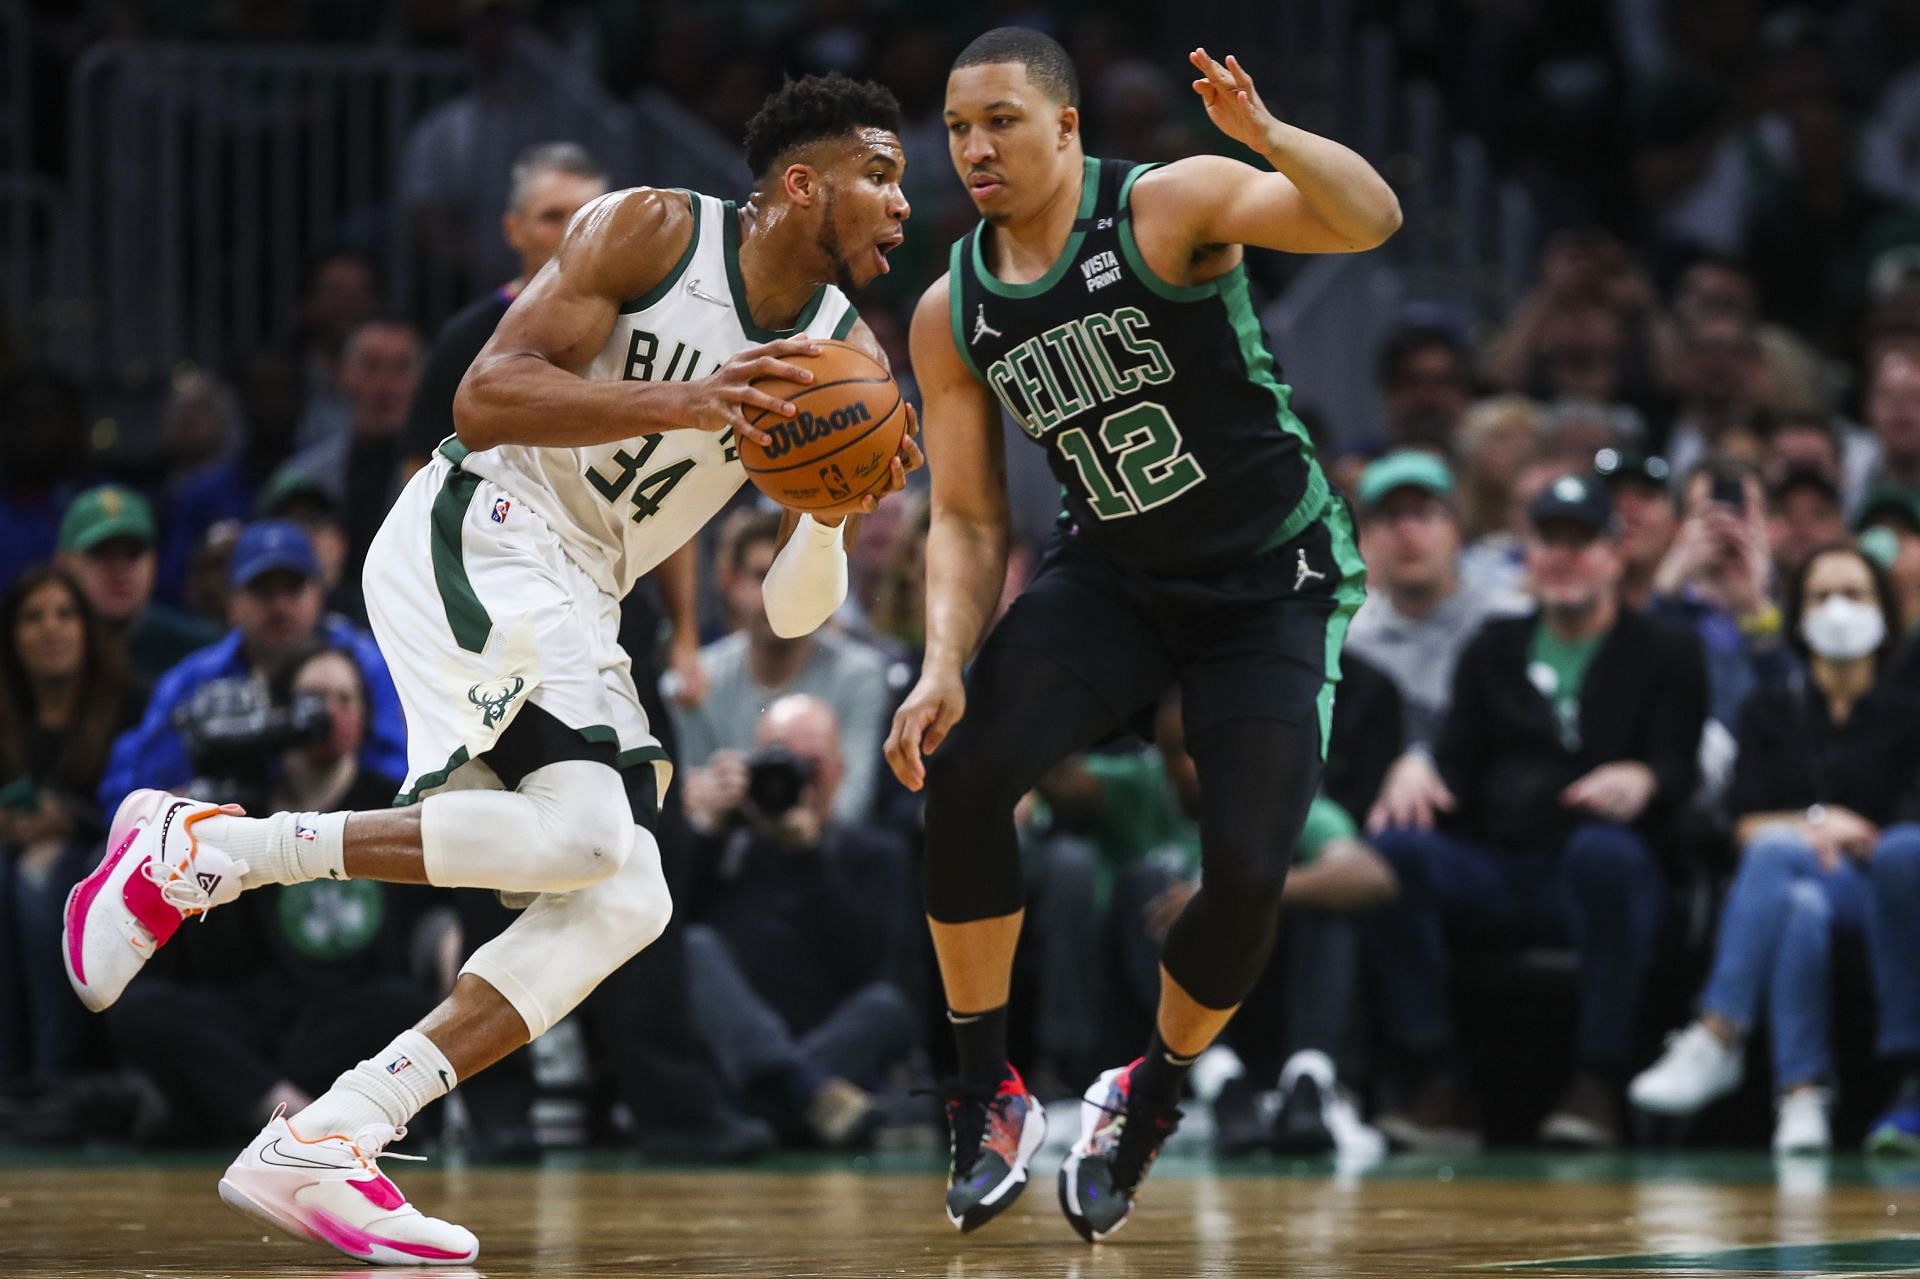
{"points": [[492, 698]]}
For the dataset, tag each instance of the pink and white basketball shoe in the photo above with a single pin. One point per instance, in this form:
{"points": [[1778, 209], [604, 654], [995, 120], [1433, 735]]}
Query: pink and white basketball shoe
{"points": [[156, 873], [330, 1190]]}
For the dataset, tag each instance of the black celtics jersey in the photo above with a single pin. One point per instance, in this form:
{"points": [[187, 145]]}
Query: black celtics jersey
{"points": [[1157, 404]]}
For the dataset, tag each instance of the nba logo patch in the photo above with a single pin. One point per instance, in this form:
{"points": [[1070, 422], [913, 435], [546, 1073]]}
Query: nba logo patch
{"points": [[501, 506], [306, 832], [399, 1064]]}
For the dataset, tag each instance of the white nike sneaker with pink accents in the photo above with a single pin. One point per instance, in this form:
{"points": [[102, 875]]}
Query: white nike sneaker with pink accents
{"points": [[330, 1190], [156, 873]]}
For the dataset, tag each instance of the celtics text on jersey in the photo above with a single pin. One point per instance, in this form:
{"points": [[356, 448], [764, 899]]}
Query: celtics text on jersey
{"points": [[1157, 403]]}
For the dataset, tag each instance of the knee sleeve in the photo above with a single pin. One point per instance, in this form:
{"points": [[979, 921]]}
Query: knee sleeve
{"points": [[1219, 945], [565, 944], [971, 867], [567, 826]]}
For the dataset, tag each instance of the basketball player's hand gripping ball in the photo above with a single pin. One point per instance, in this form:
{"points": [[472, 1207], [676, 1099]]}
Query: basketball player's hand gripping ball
{"points": [[849, 442]]}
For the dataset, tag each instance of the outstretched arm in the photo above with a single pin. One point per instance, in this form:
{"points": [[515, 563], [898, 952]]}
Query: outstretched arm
{"points": [[526, 385], [1320, 198], [966, 542]]}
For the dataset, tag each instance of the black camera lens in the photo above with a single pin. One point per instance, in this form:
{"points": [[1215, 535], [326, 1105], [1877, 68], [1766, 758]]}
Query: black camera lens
{"points": [[776, 778]]}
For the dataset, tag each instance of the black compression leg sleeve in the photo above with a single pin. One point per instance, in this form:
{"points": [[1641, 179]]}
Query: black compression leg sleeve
{"points": [[1025, 713], [1257, 778]]}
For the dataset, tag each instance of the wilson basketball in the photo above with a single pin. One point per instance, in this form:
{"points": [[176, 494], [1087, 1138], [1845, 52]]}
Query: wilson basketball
{"points": [[845, 431]]}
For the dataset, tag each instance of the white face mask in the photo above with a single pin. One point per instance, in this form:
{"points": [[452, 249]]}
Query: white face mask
{"points": [[1842, 629]]}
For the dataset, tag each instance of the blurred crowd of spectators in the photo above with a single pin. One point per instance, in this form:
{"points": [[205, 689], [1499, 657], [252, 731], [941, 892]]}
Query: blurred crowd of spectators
{"points": [[1630, 711]]}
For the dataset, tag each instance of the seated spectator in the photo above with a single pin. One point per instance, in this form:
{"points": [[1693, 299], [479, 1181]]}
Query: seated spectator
{"points": [[1811, 442], [752, 667], [1895, 513], [1141, 811], [107, 544], [1497, 437], [207, 716], [1498, 559], [794, 914], [64, 693], [1568, 749], [1829, 758], [1425, 374], [1716, 579], [379, 366], [1719, 368], [1803, 514], [550, 182], [1893, 410], [301, 499], [1574, 430], [1642, 494], [1419, 612], [206, 477], [341, 291], [279, 988], [1588, 329]]}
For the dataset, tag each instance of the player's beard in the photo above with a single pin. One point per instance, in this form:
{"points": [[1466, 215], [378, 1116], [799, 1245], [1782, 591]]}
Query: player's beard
{"points": [[830, 247]]}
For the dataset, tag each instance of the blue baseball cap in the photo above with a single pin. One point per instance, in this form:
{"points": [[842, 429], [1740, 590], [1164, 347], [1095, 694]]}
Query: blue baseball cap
{"points": [[270, 545]]}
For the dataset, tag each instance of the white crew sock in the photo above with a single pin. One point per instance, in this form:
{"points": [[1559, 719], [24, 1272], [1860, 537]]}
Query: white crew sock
{"points": [[286, 848], [390, 1087]]}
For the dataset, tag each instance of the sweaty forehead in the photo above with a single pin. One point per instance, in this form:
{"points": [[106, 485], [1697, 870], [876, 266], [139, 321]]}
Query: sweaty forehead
{"points": [[865, 143]]}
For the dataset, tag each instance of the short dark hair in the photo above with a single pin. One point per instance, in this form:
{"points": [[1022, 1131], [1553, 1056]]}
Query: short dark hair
{"points": [[815, 107], [1046, 62], [1409, 338]]}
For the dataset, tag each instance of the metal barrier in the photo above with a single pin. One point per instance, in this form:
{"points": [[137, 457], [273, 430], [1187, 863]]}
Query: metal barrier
{"points": [[206, 179], [1467, 240]]}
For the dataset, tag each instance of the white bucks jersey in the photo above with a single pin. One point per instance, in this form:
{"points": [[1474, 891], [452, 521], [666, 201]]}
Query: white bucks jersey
{"points": [[622, 508]]}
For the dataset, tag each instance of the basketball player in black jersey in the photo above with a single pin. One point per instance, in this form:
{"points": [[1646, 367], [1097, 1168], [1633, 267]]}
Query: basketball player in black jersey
{"points": [[1104, 305]]}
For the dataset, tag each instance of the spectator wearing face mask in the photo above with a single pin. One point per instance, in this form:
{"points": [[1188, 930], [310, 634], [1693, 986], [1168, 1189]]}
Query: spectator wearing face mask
{"points": [[1823, 795]]}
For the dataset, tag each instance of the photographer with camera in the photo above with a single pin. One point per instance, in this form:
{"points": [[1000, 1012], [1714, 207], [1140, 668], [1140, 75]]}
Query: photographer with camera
{"points": [[750, 667], [210, 716], [271, 988], [795, 917]]}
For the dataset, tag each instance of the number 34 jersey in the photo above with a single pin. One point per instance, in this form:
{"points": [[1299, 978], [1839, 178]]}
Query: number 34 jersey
{"points": [[621, 508], [1157, 404]]}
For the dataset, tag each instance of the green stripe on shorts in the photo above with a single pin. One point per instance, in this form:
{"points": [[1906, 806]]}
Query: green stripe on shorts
{"points": [[1350, 593], [467, 617]]}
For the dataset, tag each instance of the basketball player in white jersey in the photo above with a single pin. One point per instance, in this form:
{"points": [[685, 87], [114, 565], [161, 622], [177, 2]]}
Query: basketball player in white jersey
{"points": [[595, 436]]}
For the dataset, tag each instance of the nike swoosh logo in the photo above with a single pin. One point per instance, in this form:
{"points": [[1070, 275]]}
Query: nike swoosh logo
{"points": [[693, 287], [286, 1160]]}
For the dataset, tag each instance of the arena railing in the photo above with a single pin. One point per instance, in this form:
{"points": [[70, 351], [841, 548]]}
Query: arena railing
{"points": [[205, 178], [1466, 242]]}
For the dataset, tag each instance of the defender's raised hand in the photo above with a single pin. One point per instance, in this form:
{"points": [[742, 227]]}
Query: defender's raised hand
{"points": [[1233, 104]]}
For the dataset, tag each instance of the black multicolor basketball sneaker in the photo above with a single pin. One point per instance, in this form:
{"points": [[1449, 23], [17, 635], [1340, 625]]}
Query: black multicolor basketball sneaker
{"points": [[995, 1134], [1119, 1138]]}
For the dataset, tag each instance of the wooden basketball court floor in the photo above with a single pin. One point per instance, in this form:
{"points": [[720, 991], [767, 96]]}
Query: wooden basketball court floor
{"points": [[1517, 1216]]}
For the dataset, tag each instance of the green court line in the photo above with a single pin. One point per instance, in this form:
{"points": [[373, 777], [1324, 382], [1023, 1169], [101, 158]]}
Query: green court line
{"points": [[1848, 1257]]}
